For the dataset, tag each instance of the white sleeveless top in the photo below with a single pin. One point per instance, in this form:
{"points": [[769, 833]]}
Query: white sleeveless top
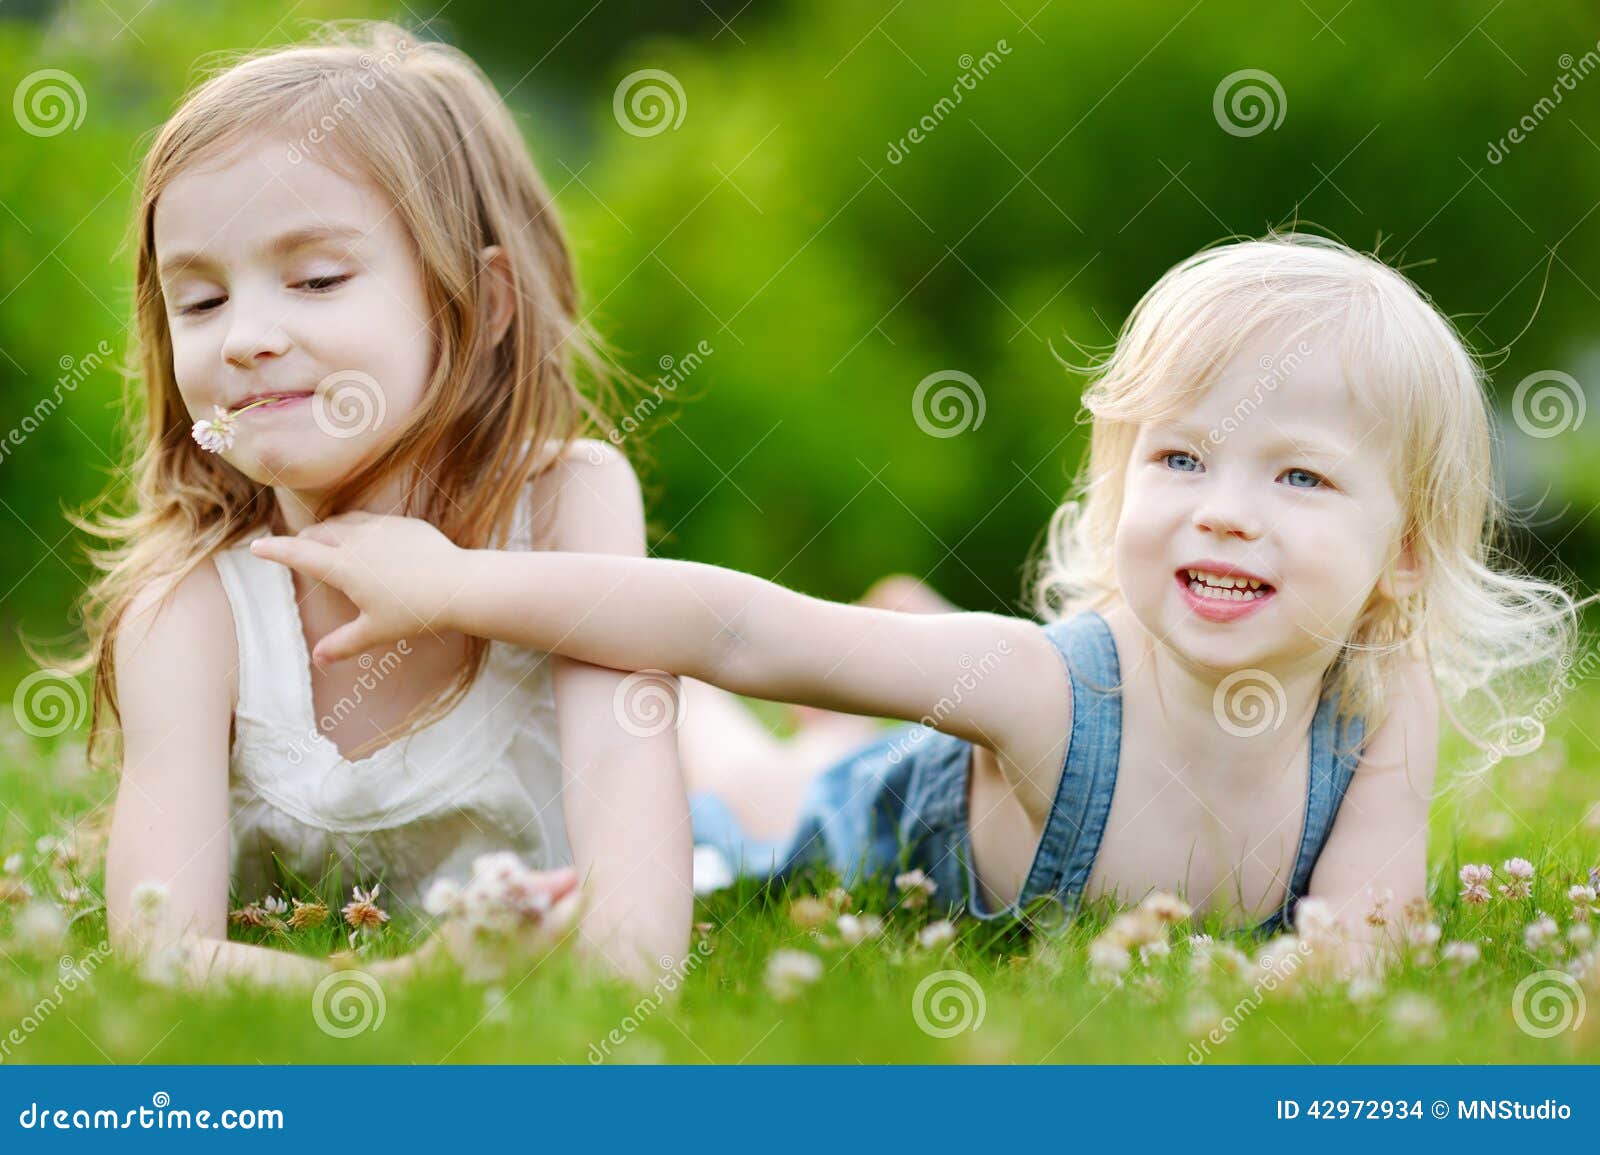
{"points": [[484, 777]]}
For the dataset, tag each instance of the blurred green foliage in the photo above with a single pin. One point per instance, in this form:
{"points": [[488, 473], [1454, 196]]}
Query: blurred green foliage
{"points": [[830, 262]]}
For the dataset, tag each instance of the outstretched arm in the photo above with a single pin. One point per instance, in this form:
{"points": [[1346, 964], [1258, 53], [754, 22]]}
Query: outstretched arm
{"points": [[988, 678]]}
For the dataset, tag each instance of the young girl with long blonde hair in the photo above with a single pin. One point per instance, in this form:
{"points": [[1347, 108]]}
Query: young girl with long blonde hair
{"points": [[1277, 567], [353, 293]]}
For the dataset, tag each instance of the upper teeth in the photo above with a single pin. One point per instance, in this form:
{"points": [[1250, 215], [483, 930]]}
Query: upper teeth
{"points": [[1221, 582]]}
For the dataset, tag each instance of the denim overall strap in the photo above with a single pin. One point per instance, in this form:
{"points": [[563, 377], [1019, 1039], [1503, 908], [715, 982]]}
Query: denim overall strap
{"points": [[1335, 751], [1072, 832]]}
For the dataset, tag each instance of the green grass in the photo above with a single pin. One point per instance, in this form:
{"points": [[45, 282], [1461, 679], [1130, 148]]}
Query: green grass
{"points": [[1038, 1001]]}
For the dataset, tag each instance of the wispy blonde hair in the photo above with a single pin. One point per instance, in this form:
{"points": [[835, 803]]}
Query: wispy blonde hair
{"points": [[423, 123], [1486, 631]]}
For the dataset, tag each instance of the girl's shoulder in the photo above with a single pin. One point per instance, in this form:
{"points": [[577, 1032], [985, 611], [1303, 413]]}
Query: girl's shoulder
{"points": [[172, 621], [586, 498]]}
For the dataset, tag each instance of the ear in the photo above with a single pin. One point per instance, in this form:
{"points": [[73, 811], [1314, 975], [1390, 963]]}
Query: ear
{"points": [[499, 290], [1406, 575]]}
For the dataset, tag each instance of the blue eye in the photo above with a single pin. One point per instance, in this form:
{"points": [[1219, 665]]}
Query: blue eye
{"points": [[1189, 457], [1316, 480]]}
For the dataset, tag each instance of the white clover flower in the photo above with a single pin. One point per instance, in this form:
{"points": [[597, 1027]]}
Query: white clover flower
{"points": [[790, 971], [936, 934], [856, 928]]}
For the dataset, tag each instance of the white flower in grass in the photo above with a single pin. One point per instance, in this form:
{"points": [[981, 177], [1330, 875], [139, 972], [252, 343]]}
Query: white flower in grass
{"points": [[442, 898], [1363, 988], [914, 887], [362, 913], [1520, 871], [1583, 901], [40, 927], [857, 928], [13, 864], [274, 905], [1460, 954], [1475, 879], [1150, 951], [1165, 908], [1107, 956], [1580, 935], [936, 934], [1539, 933], [1135, 928], [1414, 1015], [790, 971], [1202, 1016]]}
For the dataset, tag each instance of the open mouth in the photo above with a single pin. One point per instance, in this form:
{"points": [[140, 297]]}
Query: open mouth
{"points": [[1223, 589]]}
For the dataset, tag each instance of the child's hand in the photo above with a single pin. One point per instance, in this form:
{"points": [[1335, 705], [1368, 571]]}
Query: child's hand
{"points": [[399, 571]]}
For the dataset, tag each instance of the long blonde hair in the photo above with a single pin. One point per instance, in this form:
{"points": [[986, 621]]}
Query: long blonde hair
{"points": [[426, 126], [1484, 629]]}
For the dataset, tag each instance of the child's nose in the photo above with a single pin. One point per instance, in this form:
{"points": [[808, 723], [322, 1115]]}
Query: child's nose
{"points": [[253, 333], [1229, 512]]}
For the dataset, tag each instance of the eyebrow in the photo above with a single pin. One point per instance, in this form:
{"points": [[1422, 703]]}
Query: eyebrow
{"points": [[1280, 440], [284, 243]]}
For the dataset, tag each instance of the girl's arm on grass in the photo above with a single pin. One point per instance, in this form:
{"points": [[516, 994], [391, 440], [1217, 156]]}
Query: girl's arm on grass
{"points": [[176, 666], [623, 798], [988, 678]]}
